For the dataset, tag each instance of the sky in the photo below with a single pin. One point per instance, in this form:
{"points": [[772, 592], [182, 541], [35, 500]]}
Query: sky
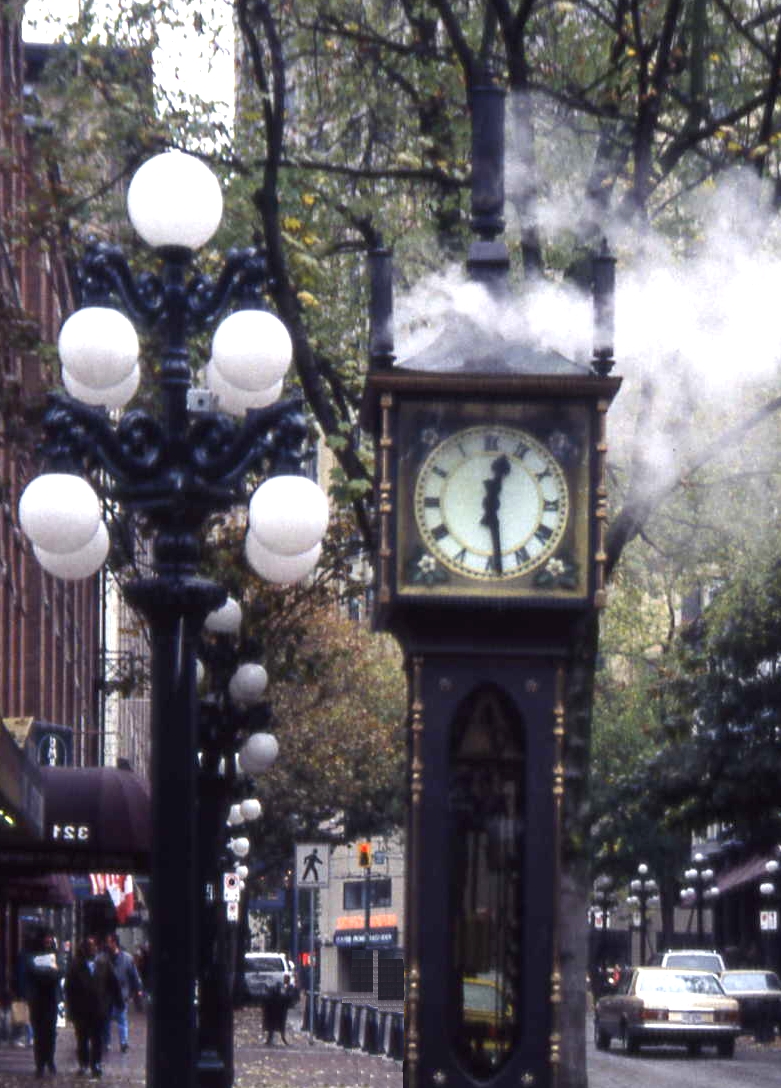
{"points": [[185, 61]]}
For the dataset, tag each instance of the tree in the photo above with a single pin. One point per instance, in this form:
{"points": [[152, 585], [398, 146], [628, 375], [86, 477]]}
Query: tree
{"points": [[620, 112]]}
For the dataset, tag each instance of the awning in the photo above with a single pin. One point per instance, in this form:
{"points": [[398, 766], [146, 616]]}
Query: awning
{"points": [[95, 819], [53, 890], [741, 874]]}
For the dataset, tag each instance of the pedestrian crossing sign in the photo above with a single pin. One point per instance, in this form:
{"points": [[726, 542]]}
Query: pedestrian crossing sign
{"points": [[312, 860]]}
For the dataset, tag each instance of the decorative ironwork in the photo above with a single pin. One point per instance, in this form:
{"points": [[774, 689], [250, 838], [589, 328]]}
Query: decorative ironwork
{"points": [[487, 819]]}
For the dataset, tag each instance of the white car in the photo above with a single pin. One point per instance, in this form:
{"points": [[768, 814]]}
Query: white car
{"points": [[263, 971]]}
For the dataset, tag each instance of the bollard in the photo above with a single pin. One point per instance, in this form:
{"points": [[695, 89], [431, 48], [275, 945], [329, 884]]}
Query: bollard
{"points": [[371, 1040], [396, 1038], [329, 1032], [346, 1025]]}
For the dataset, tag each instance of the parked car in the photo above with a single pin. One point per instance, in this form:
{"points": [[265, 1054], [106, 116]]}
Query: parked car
{"points": [[668, 1006], [262, 972], [699, 959], [758, 993]]}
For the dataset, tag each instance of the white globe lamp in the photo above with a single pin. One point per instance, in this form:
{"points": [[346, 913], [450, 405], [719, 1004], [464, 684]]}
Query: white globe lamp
{"points": [[174, 200], [59, 512], [280, 569], [252, 349], [288, 514], [74, 566], [225, 620], [258, 753], [248, 683]]}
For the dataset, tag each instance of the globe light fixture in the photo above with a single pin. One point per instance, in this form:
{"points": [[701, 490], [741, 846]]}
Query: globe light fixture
{"points": [[288, 515], [59, 512], [79, 564], [250, 809], [225, 620], [174, 200], [240, 846], [234, 816], [98, 347], [248, 684], [258, 753], [280, 569], [252, 350]]}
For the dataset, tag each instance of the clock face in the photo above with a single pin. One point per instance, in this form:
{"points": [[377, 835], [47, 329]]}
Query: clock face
{"points": [[491, 503]]}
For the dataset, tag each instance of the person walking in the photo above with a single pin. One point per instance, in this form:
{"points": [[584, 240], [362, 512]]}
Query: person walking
{"points": [[275, 1008], [124, 968], [91, 988], [44, 984]]}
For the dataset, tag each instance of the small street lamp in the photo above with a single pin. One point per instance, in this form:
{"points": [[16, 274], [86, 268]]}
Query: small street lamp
{"points": [[644, 891], [700, 891], [170, 469]]}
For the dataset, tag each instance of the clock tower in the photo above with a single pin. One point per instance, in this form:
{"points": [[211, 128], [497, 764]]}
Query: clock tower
{"points": [[491, 506]]}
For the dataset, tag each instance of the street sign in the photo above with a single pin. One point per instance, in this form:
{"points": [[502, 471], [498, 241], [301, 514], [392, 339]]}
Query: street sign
{"points": [[312, 869], [231, 887], [768, 920]]}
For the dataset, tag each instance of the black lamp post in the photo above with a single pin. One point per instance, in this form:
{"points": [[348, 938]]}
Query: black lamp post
{"points": [[603, 900], [233, 743], [172, 469], [644, 891], [700, 891]]}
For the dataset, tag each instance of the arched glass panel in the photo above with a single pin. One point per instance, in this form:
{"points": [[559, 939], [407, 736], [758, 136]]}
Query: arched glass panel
{"points": [[487, 841]]}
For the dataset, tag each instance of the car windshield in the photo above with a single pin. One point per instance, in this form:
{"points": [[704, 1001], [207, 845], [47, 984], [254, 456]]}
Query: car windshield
{"points": [[750, 980], [699, 960], [677, 982], [262, 963]]}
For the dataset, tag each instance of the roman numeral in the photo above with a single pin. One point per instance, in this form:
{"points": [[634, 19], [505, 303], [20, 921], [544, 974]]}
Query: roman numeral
{"points": [[551, 505], [460, 557], [491, 443], [541, 475], [522, 556], [439, 472], [431, 502], [521, 450], [440, 532], [543, 533]]}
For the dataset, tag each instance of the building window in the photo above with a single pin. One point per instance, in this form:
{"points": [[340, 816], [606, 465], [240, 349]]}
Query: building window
{"points": [[379, 890], [390, 977], [360, 972]]}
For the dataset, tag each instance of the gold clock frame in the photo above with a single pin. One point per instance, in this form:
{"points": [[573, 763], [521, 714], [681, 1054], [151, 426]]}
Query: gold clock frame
{"points": [[576, 405]]}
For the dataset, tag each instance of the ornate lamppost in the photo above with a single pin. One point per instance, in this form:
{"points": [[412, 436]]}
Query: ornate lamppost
{"points": [[232, 715], [700, 891], [171, 469], [644, 891]]}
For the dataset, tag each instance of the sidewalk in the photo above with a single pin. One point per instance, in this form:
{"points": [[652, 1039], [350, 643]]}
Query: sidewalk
{"points": [[300, 1065]]}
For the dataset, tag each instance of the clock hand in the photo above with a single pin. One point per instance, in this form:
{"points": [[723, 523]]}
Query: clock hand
{"points": [[491, 503]]}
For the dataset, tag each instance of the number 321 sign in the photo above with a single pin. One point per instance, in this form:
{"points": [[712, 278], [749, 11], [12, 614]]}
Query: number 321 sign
{"points": [[71, 832]]}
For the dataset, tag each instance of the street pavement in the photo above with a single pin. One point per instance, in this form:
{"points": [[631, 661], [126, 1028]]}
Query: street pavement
{"points": [[302, 1064]]}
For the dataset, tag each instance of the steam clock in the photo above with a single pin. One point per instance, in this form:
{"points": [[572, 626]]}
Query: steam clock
{"points": [[490, 469]]}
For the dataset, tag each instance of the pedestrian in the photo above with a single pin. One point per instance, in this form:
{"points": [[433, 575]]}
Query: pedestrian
{"points": [[44, 984], [91, 988], [124, 967], [275, 1008]]}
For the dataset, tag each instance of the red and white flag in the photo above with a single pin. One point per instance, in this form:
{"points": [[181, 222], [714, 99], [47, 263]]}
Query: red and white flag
{"points": [[119, 887]]}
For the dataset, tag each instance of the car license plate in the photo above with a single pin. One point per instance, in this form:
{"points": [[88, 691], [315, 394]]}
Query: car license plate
{"points": [[692, 1017]]}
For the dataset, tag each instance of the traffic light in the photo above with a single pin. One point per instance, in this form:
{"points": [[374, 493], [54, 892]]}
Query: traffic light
{"points": [[365, 855]]}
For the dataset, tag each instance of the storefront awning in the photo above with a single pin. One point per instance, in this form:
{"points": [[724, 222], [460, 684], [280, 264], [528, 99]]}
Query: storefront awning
{"points": [[95, 819]]}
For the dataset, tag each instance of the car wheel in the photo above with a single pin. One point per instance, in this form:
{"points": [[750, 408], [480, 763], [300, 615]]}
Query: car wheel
{"points": [[726, 1048], [601, 1037], [630, 1041]]}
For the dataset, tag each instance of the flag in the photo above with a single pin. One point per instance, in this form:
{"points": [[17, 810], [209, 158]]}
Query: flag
{"points": [[119, 888]]}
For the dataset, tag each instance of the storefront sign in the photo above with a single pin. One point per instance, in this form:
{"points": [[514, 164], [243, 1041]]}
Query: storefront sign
{"points": [[356, 938]]}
